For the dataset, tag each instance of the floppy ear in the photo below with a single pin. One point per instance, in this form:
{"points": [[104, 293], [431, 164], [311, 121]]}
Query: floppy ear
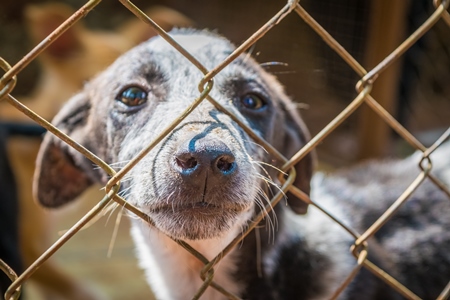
{"points": [[62, 173], [296, 136]]}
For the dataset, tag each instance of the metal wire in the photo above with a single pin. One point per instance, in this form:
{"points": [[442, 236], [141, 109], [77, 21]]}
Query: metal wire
{"points": [[360, 247]]}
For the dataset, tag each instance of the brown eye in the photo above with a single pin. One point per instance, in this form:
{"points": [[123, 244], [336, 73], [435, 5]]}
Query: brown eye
{"points": [[133, 96], [253, 101]]}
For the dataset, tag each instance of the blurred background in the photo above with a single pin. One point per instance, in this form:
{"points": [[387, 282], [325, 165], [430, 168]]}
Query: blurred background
{"points": [[415, 90]]}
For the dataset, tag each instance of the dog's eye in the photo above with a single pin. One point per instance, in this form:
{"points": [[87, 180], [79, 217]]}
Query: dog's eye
{"points": [[253, 101], [133, 96]]}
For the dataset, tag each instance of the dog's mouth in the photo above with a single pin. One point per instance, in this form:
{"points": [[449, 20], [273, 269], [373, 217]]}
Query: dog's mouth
{"points": [[196, 220], [201, 207]]}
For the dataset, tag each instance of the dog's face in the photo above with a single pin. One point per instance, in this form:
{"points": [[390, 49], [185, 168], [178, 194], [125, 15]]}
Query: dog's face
{"points": [[205, 176]]}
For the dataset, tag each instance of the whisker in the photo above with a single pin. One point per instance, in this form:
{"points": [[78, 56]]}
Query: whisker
{"points": [[115, 231], [96, 218], [111, 211], [95, 167], [260, 202], [249, 53], [272, 220], [269, 165], [168, 197], [274, 63], [243, 229], [261, 176], [271, 183], [123, 192], [120, 162], [256, 144]]}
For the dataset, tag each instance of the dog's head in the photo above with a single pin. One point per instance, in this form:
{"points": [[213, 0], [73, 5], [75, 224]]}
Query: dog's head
{"points": [[206, 176]]}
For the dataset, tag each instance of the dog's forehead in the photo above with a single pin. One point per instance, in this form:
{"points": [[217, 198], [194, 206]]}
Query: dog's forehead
{"points": [[208, 48], [193, 43], [157, 56]]}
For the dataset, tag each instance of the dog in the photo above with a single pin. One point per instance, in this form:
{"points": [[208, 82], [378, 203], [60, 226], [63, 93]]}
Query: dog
{"points": [[205, 180], [66, 64]]}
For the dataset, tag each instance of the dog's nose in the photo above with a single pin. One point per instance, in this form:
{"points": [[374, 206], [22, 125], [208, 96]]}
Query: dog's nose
{"points": [[204, 158]]}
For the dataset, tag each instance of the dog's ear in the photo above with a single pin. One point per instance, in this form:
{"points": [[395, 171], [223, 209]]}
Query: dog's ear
{"points": [[62, 173], [296, 136]]}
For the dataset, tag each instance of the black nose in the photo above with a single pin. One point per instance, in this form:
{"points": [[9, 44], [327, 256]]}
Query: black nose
{"points": [[196, 160]]}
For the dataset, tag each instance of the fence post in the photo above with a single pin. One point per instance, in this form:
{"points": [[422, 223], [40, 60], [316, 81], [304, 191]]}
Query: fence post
{"points": [[386, 31]]}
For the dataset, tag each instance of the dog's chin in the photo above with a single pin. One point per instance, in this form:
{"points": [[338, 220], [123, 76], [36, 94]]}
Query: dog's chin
{"points": [[198, 221]]}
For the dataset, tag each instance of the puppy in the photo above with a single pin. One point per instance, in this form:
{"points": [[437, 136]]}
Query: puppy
{"points": [[205, 180]]}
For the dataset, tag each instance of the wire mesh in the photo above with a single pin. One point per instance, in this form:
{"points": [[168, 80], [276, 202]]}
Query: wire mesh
{"points": [[363, 87]]}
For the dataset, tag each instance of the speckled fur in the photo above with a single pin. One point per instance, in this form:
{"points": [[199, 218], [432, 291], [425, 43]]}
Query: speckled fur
{"points": [[417, 238]]}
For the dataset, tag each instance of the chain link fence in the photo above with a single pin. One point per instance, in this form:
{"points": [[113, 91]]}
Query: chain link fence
{"points": [[363, 87]]}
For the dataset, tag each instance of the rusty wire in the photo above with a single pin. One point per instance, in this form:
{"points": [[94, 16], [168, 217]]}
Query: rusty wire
{"points": [[364, 86], [15, 294]]}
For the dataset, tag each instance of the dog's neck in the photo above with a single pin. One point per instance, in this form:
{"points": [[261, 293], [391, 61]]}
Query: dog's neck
{"points": [[174, 273]]}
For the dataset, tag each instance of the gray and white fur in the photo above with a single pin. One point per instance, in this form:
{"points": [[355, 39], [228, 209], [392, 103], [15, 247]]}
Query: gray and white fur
{"points": [[204, 181]]}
